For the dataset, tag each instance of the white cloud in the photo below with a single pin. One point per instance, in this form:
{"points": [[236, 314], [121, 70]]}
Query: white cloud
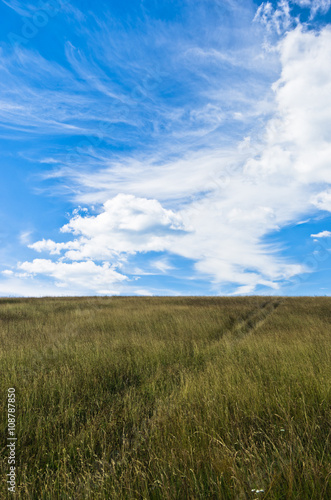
{"points": [[15, 286], [161, 265], [18, 7], [217, 205], [279, 19], [77, 275], [7, 272], [226, 201], [25, 237], [126, 225], [253, 191], [314, 5], [322, 200], [127, 213], [276, 19], [54, 248], [322, 234], [168, 181]]}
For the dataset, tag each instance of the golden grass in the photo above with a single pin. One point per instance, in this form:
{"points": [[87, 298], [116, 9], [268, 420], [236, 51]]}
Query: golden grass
{"points": [[168, 398]]}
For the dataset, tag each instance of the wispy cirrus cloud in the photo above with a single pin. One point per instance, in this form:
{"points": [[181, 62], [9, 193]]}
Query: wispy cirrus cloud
{"points": [[115, 83], [266, 187], [176, 155], [315, 6], [279, 18], [18, 7]]}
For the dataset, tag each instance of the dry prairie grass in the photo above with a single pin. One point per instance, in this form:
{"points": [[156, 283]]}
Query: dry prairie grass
{"points": [[168, 398]]}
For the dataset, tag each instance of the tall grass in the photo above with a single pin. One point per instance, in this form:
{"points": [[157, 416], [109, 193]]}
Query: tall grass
{"points": [[168, 398]]}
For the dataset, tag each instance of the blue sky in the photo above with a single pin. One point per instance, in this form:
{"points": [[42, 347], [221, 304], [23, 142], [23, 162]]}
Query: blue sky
{"points": [[165, 147]]}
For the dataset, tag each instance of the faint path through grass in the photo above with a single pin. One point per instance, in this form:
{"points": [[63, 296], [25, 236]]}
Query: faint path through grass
{"points": [[254, 320]]}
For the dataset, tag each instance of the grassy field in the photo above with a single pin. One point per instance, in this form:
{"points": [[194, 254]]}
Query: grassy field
{"points": [[167, 398]]}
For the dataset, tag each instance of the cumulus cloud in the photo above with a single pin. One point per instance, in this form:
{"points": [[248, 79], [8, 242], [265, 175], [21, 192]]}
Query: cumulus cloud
{"points": [[125, 225], [52, 247], [127, 213], [322, 200], [101, 279], [322, 234]]}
